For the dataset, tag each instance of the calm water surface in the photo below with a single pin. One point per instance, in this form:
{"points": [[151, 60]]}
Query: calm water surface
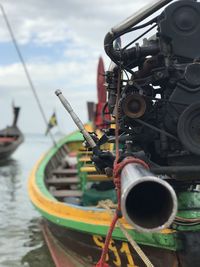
{"points": [[21, 241]]}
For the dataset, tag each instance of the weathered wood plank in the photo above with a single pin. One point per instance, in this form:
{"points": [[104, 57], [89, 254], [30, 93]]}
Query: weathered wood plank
{"points": [[88, 169], [61, 181], [66, 172], [67, 193], [85, 159], [98, 177]]}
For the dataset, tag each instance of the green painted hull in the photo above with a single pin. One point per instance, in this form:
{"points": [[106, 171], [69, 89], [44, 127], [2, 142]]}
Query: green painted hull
{"points": [[174, 239]]}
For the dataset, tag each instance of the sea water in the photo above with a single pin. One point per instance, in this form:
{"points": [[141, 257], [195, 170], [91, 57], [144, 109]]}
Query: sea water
{"points": [[21, 240]]}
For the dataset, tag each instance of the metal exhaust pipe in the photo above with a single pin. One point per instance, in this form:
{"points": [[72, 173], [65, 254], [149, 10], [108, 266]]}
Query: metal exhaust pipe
{"points": [[147, 202]]}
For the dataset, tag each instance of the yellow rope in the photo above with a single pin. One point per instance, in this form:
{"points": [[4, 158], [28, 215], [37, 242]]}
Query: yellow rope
{"points": [[108, 205]]}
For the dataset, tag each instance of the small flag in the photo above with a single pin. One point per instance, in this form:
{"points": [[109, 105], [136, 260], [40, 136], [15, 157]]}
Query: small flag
{"points": [[52, 123]]}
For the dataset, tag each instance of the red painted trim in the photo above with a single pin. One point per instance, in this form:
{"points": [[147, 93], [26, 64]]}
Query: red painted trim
{"points": [[7, 139], [60, 258]]}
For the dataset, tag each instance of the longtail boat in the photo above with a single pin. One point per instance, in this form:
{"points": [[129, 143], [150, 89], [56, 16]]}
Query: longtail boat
{"points": [[75, 228], [10, 137], [129, 195]]}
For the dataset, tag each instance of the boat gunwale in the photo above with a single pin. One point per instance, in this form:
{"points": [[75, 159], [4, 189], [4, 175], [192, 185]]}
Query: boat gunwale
{"points": [[37, 183], [90, 220]]}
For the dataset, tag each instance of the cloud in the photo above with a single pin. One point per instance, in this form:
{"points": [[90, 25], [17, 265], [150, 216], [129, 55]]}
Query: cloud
{"points": [[76, 80], [73, 29], [46, 22], [72, 72]]}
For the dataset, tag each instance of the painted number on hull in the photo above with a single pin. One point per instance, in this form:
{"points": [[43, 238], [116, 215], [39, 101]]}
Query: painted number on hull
{"points": [[124, 249]]}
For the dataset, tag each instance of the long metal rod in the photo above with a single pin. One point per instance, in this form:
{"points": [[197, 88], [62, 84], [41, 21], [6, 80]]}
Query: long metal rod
{"points": [[26, 71], [140, 15], [75, 118]]}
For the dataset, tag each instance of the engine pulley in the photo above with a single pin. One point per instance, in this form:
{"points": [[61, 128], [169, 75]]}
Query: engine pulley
{"points": [[192, 74], [189, 128], [134, 106]]}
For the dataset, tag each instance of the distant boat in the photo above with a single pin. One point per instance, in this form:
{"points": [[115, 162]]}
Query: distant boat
{"points": [[10, 137]]}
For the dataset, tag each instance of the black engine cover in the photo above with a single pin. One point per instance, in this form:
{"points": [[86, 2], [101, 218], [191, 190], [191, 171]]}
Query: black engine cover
{"points": [[179, 25]]}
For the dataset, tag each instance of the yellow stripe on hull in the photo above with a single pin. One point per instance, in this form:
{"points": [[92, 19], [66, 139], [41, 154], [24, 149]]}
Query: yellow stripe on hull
{"points": [[62, 210]]}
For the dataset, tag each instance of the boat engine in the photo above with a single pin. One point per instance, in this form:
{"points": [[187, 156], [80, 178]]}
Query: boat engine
{"points": [[153, 94], [156, 109], [159, 102]]}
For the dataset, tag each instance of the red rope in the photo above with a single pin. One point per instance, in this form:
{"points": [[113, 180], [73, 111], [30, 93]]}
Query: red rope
{"points": [[101, 262], [117, 183], [117, 118], [119, 166]]}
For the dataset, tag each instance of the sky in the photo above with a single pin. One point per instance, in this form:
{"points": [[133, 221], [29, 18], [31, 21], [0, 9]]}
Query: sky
{"points": [[61, 42]]}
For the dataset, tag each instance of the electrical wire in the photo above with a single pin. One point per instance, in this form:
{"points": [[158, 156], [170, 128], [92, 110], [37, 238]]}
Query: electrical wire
{"points": [[140, 36], [33, 89]]}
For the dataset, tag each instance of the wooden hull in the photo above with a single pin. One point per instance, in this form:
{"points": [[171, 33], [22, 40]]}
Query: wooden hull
{"points": [[7, 149], [82, 230], [121, 253], [60, 255]]}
